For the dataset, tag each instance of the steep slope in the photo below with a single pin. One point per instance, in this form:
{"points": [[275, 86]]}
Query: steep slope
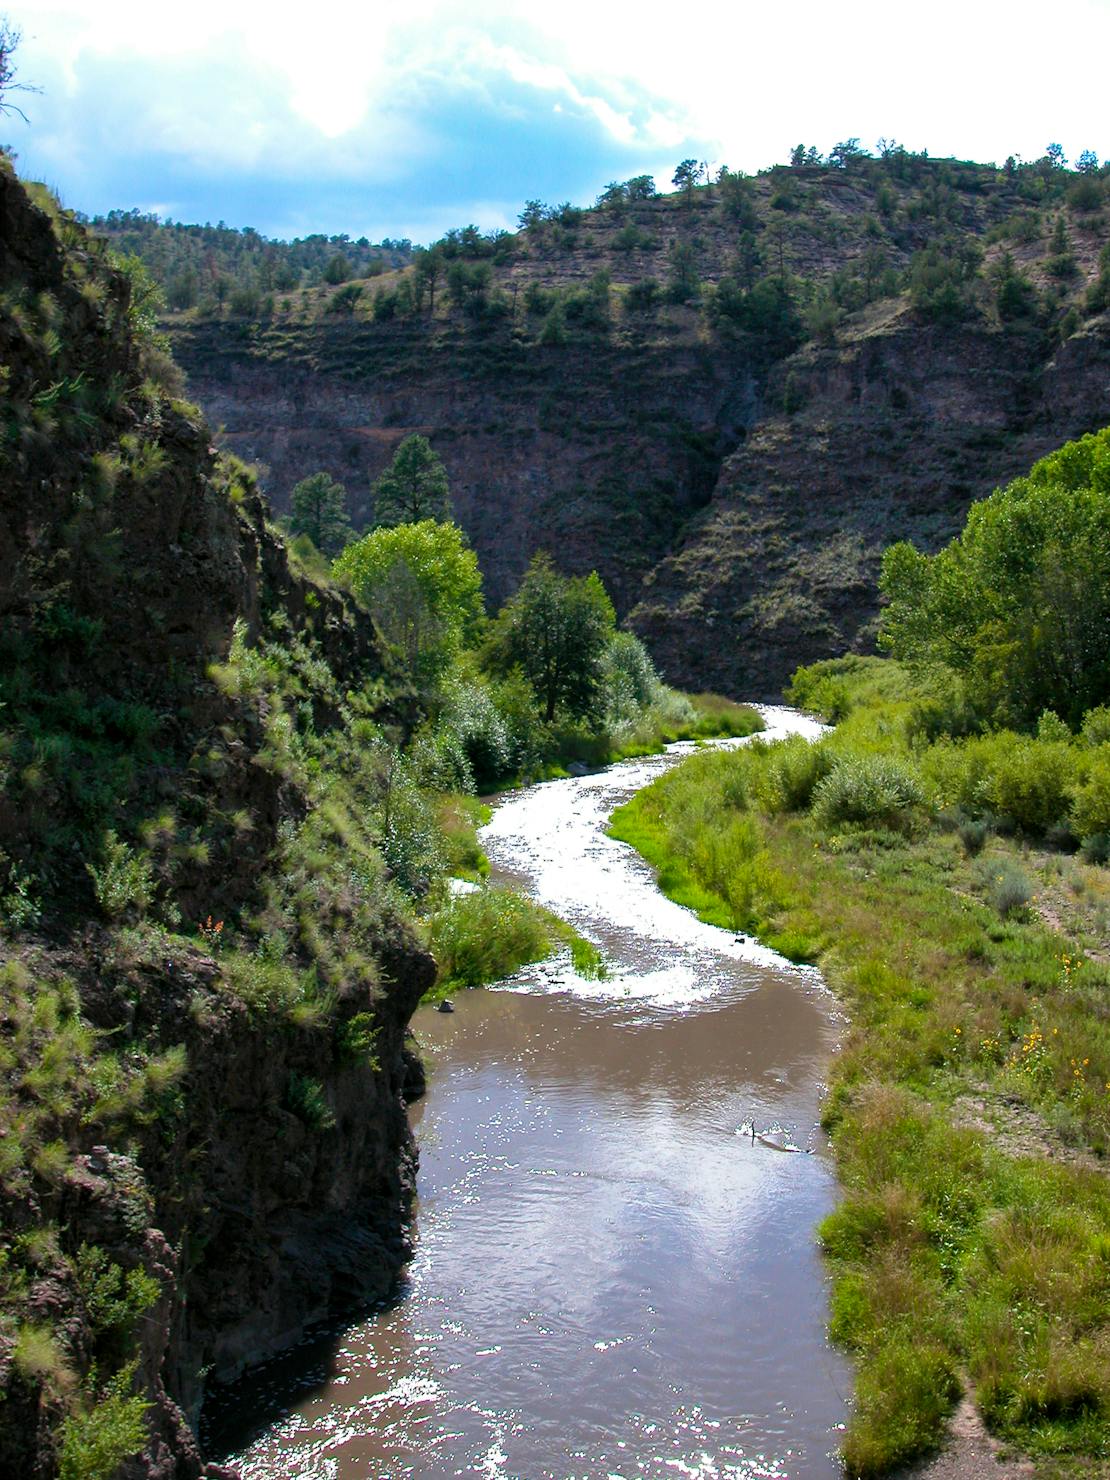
{"points": [[594, 380], [205, 971], [900, 427]]}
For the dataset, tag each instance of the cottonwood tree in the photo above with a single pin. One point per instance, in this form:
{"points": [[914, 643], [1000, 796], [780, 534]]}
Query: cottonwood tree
{"points": [[556, 630], [422, 585], [1018, 605], [414, 486]]}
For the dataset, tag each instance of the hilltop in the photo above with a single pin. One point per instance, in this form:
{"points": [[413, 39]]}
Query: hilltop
{"points": [[727, 399]]}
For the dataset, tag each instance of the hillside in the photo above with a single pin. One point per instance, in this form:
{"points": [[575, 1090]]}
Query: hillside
{"points": [[727, 399], [206, 969]]}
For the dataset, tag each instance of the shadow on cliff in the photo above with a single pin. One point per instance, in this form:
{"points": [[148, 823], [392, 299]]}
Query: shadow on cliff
{"points": [[236, 1414]]}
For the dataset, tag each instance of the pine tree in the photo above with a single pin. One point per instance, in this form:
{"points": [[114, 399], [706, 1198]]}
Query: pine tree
{"points": [[413, 487], [319, 507]]}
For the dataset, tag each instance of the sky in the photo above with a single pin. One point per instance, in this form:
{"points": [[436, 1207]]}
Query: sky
{"points": [[402, 121]]}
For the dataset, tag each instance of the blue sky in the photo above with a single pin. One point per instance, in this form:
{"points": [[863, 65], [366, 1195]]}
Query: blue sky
{"points": [[406, 120]]}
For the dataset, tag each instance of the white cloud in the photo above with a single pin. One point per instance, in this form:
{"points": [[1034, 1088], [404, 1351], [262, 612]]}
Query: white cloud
{"points": [[358, 93]]}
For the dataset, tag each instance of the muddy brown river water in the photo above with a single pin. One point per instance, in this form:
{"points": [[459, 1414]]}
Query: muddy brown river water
{"points": [[612, 1279]]}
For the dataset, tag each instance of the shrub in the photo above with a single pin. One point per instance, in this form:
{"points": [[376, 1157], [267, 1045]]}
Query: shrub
{"points": [[1090, 810], [124, 883], [869, 789], [792, 771], [1027, 780], [358, 1040], [95, 1441], [628, 678], [482, 937], [305, 1097], [1096, 725], [972, 833], [1007, 888], [482, 732], [1051, 727]]}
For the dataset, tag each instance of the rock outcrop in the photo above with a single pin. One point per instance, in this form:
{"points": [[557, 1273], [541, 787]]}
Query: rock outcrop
{"points": [[205, 1146]]}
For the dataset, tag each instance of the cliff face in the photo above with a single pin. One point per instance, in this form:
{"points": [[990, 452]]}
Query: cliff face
{"points": [[900, 428], [203, 1143], [596, 451], [651, 442]]}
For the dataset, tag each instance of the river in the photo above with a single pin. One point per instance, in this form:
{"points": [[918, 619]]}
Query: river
{"points": [[613, 1279]]}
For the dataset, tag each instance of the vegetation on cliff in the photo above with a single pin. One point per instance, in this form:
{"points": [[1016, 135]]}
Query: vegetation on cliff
{"points": [[948, 874], [209, 955], [780, 256], [728, 400]]}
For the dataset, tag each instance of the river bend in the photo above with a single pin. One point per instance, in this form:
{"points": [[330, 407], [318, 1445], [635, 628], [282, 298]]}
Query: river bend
{"points": [[612, 1278]]}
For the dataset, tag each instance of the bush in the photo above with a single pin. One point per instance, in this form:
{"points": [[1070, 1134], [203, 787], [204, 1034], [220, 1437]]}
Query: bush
{"points": [[629, 681], [124, 883], [482, 937], [482, 732], [1096, 725], [972, 833], [870, 789], [1007, 888], [792, 771], [1090, 811], [305, 1097], [1029, 781], [96, 1441]]}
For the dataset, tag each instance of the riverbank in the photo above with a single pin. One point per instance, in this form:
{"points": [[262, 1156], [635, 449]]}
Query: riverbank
{"points": [[970, 1101], [480, 935]]}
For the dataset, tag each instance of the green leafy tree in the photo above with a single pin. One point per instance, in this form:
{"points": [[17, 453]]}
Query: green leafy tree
{"points": [[686, 176], [614, 196], [319, 510], [428, 265], [557, 630], [1015, 296], [533, 216], [414, 487], [1018, 605], [738, 199], [1061, 263], [422, 585], [683, 282], [845, 153], [941, 281]]}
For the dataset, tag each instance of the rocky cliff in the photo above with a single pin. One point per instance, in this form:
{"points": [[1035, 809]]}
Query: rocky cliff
{"points": [[637, 422], [205, 971], [901, 425]]}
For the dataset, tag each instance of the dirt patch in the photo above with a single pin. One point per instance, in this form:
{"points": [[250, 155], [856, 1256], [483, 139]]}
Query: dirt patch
{"points": [[970, 1453], [1017, 1130]]}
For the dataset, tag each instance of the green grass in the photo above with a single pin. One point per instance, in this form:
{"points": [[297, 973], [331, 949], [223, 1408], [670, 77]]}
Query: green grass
{"points": [[485, 936], [959, 1258], [459, 818]]}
